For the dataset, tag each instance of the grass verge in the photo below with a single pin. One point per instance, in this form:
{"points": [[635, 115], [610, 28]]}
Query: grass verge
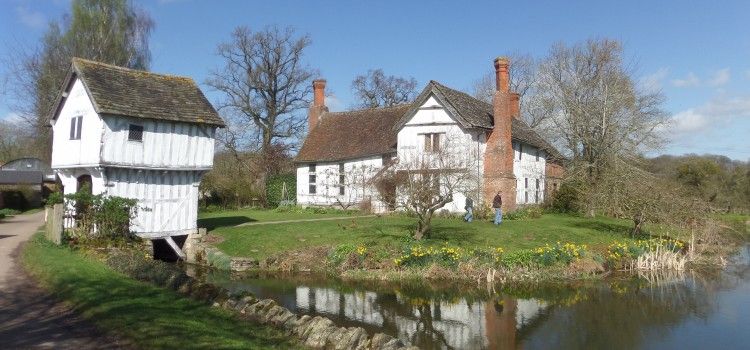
{"points": [[150, 317]]}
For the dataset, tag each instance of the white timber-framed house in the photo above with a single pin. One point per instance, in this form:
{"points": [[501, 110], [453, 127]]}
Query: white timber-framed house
{"points": [[345, 151], [135, 134]]}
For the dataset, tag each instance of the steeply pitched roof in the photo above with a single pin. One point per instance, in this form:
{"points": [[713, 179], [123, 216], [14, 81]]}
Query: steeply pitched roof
{"points": [[352, 134], [357, 134], [134, 93], [474, 113]]}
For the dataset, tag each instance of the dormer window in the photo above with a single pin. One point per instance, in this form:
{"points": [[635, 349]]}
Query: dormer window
{"points": [[75, 127], [135, 132]]}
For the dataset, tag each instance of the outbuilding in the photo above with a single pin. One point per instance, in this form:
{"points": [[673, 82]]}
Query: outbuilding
{"points": [[139, 135]]}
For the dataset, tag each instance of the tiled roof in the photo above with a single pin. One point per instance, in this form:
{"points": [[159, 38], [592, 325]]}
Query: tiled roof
{"points": [[134, 93], [474, 113], [356, 134], [352, 134]]}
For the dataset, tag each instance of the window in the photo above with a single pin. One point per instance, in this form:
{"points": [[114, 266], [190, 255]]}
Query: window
{"points": [[135, 133], [520, 151], [342, 179], [431, 142], [311, 179], [75, 127], [526, 191], [537, 191], [537, 155]]}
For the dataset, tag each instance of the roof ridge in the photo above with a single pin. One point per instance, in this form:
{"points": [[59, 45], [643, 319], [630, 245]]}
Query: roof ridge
{"points": [[131, 70], [372, 108]]}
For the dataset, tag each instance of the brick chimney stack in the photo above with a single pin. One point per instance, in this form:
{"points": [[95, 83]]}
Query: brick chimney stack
{"points": [[498, 157], [319, 103]]}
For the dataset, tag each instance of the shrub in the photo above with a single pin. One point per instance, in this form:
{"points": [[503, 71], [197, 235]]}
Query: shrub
{"points": [[274, 187], [9, 212], [527, 212], [100, 216], [566, 198], [54, 198]]}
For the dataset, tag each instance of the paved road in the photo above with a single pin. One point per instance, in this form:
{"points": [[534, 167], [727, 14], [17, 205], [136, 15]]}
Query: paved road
{"points": [[30, 318]]}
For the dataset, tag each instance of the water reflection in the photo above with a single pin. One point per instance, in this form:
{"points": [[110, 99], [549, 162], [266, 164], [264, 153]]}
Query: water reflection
{"points": [[647, 311]]}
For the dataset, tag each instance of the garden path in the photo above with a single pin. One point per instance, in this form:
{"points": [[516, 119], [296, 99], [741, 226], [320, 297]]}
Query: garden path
{"points": [[31, 318]]}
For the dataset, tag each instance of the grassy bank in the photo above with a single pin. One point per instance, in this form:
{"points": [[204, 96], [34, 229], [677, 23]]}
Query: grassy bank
{"points": [[390, 231], [148, 316], [228, 218]]}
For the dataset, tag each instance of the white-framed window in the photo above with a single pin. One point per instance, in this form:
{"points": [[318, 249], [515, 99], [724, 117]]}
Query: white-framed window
{"points": [[75, 127], [520, 151], [526, 191], [312, 179], [537, 155], [538, 187], [135, 132], [431, 142]]}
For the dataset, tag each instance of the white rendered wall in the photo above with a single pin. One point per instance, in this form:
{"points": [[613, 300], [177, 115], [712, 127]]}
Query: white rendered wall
{"points": [[358, 172], [463, 147], [528, 167], [83, 152], [165, 145]]}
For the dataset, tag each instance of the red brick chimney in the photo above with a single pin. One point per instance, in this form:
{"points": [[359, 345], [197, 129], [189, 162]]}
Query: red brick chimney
{"points": [[319, 103], [515, 105], [498, 155]]}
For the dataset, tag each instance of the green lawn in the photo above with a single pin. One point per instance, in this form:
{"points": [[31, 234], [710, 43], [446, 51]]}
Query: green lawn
{"points": [[265, 240], [151, 317], [225, 218]]}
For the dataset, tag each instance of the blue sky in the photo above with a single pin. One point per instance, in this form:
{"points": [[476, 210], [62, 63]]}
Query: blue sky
{"points": [[697, 53]]}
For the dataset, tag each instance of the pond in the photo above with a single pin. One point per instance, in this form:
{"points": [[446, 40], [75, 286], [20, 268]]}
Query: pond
{"points": [[647, 311]]}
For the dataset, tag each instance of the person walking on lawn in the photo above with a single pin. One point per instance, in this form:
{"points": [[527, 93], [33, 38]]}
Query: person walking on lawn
{"points": [[497, 203], [469, 210]]}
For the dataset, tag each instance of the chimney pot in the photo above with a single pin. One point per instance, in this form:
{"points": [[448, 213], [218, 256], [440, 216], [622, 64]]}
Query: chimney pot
{"points": [[502, 77], [319, 96]]}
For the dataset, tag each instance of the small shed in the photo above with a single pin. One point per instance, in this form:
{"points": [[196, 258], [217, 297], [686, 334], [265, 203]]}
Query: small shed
{"points": [[139, 135]]}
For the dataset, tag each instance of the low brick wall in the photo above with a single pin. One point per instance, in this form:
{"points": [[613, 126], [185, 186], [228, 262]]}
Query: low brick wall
{"points": [[314, 332]]}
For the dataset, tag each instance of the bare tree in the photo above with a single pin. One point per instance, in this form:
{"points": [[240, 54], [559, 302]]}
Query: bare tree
{"points": [[15, 140], [375, 89], [598, 114], [111, 31], [265, 83], [426, 181], [523, 70]]}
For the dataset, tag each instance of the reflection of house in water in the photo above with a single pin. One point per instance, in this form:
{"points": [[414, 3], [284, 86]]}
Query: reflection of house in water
{"points": [[427, 323]]}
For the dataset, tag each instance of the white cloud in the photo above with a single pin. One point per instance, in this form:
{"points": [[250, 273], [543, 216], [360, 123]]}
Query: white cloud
{"points": [[655, 80], [688, 121], [716, 114], [30, 18], [720, 77], [690, 81]]}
